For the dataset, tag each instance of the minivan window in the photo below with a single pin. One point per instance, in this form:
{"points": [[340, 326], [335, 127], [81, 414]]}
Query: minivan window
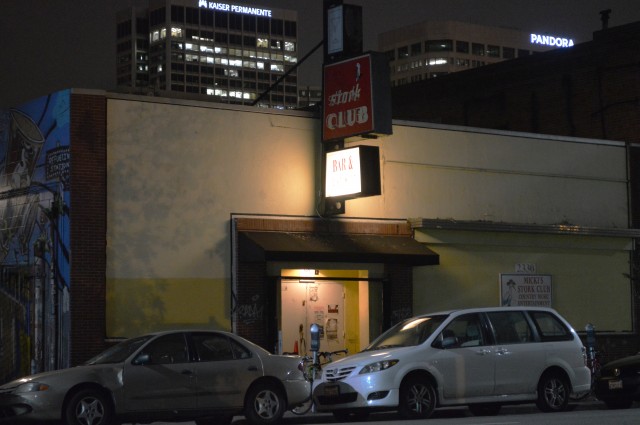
{"points": [[550, 327], [510, 327], [463, 331], [408, 333]]}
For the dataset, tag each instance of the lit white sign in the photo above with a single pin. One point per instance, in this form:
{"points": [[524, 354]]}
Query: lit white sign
{"points": [[343, 173], [225, 7], [549, 40]]}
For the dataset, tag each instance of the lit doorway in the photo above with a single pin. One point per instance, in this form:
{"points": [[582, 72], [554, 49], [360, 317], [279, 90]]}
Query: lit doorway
{"points": [[347, 309]]}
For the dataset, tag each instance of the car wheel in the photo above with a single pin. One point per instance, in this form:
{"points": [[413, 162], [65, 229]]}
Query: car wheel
{"points": [[350, 415], [485, 409], [620, 403], [88, 407], [553, 393], [265, 404], [417, 398]]}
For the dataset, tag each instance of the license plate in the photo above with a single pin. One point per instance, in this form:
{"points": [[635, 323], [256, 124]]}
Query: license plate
{"points": [[332, 391], [615, 385]]}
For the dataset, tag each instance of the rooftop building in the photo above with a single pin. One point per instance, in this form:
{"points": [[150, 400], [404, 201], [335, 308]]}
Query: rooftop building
{"points": [[232, 53], [435, 48]]}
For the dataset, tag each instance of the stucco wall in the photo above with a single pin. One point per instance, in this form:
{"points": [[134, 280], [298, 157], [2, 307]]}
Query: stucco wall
{"points": [[509, 177], [176, 171], [175, 174]]}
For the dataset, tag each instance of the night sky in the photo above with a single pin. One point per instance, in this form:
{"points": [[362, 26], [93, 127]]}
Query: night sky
{"points": [[56, 44]]}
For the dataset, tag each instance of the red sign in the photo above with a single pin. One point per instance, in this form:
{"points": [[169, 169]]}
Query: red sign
{"points": [[347, 103]]}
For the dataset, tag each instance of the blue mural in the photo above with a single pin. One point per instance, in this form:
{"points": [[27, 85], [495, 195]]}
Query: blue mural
{"points": [[34, 236]]}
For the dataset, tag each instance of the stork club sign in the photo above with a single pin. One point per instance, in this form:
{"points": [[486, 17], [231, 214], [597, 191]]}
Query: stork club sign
{"points": [[356, 98]]}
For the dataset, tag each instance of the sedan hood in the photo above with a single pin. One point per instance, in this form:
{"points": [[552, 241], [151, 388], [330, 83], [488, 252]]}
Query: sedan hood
{"points": [[70, 376], [625, 361]]}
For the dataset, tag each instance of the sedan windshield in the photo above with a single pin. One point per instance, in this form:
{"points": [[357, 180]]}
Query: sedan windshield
{"points": [[408, 333], [119, 353]]}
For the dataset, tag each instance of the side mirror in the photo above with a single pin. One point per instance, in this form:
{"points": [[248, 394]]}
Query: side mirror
{"points": [[142, 359]]}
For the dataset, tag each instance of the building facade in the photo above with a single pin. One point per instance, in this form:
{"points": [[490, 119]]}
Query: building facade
{"points": [[436, 48], [227, 52], [202, 215]]}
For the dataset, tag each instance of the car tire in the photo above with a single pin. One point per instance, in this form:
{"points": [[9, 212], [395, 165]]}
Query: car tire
{"points": [[265, 404], [553, 393], [88, 407], [417, 398], [621, 403], [484, 409]]}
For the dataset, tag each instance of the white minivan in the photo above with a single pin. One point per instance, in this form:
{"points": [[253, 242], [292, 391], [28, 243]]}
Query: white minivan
{"points": [[481, 357]]}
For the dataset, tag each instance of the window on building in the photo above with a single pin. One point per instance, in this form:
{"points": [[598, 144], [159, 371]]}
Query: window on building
{"points": [[263, 25], [438, 45], [477, 49], [290, 29], [249, 23], [438, 61], [391, 55], [493, 51], [508, 52], [192, 15], [235, 21], [462, 46], [416, 49], [276, 44], [177, 14], [277, 27], [289, 46], [157, 17], [403, 52], [222, 20], [222, 37], [206, 18], [523, 52]]}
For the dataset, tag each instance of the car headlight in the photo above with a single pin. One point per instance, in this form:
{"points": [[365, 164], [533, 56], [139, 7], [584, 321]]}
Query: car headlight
{"points": [[31, 387], [378, 366]]}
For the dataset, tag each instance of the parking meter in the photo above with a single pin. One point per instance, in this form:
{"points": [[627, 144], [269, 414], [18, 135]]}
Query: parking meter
{"points": [[315, 337], [591, 344]]}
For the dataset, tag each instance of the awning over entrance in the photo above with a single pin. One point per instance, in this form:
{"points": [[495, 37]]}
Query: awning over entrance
{"points": [[296, 246]]}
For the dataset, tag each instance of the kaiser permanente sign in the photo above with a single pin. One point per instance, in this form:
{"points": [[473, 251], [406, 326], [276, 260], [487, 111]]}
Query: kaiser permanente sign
{"points": [[225, 7]]}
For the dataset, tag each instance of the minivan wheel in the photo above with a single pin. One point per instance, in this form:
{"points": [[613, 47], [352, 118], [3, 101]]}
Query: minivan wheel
{"points": [[417, 398], [553, 393]]}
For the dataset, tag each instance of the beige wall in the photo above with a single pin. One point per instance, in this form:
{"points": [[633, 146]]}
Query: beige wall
{"points": [[177, 170]]}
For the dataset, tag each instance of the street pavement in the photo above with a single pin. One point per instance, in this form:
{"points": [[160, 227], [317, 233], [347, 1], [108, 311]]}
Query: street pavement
{"points": [[392, 417]]}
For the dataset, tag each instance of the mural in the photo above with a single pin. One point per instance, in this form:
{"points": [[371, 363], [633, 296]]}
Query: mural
{"points": [[34, 236]]}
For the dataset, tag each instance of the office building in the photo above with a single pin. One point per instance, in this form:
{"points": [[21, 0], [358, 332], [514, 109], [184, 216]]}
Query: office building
{"points": [[226, 52], [435, 48]]}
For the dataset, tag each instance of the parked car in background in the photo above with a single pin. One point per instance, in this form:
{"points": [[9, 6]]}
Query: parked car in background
{"points": [[618, 384], [482, 358], [206, 376]]}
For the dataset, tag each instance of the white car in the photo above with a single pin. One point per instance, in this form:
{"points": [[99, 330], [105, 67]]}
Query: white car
{"points": [[190, 375], [483, 358]]}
